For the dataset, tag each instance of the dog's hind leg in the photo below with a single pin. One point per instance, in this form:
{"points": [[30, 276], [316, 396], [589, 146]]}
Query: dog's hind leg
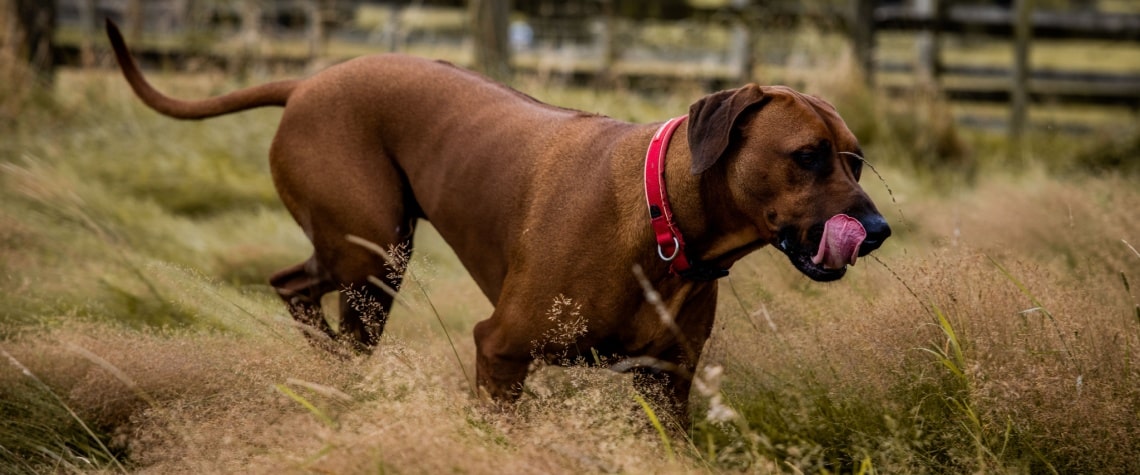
{"points": [[350, 197], [370, 282], [301, 289], [354, 205], [363, 304]]}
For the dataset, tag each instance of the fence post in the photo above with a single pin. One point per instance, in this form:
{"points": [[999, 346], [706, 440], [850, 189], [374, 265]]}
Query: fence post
{"points": [[608, 43], [489, 22], [87, 27], [316, 30], [393, 29], [134, 18], [249, 38], [1019, 87], [929, 42], [742, 40], [863, 38]]}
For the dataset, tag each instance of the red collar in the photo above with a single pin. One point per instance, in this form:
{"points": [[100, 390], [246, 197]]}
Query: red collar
{"points": [[670, 243]]}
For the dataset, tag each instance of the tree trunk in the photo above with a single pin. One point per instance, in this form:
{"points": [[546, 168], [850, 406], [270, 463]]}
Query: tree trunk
{"points": [[28, 29], [489, 20]]}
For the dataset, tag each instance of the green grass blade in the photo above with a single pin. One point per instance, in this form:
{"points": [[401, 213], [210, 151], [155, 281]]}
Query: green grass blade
{"points": [[299, 399], [27, 372], [656, 425]]}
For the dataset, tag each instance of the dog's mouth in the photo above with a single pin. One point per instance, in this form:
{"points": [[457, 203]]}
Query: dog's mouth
{"points": [[837, 244]]}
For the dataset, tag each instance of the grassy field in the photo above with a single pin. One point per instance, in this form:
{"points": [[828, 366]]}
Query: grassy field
{"points": [[997, 332]]}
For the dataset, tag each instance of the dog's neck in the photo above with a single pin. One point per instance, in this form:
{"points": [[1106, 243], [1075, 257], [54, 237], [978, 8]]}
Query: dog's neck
{"points": [[716, 233]]}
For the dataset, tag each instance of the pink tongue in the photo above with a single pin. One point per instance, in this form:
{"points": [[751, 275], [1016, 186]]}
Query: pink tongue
{"points": [[839, 245]]}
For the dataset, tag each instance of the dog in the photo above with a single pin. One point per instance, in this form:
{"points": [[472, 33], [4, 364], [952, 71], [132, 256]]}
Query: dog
{"points": [[634, 222]]}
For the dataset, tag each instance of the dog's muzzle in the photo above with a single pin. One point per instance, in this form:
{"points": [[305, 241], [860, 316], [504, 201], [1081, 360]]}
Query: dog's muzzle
{"points": [[801, 251]]}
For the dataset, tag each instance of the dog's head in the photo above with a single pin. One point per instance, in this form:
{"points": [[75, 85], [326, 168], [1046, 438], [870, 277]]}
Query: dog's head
{"points": [[791, 168]]}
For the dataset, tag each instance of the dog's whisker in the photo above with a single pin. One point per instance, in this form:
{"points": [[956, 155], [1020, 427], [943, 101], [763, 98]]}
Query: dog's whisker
{"points": [[890, 192]]}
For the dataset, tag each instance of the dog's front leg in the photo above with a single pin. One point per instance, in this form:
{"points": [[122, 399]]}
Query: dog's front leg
{"points": [[667, 384], [668, 379]]}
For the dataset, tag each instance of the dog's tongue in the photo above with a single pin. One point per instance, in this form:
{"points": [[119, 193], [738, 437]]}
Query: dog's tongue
{"points": [[839, 245]]}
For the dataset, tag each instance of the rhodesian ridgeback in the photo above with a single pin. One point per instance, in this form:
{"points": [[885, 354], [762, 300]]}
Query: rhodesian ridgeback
{"points": [[631, 221]]}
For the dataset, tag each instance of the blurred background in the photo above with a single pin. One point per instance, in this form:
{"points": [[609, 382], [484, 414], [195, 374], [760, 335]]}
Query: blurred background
{"points": [[1002, 67]]}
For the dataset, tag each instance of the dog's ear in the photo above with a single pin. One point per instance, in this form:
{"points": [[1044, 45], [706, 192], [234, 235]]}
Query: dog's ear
{"points": [[712, 119]]}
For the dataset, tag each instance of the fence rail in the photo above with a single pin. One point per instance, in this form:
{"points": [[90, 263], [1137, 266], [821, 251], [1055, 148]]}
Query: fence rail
{"points": [[992, 84], [997, 21]]}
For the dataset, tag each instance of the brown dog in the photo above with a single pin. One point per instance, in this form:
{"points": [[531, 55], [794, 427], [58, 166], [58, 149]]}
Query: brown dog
{"points": [[539, 202]]}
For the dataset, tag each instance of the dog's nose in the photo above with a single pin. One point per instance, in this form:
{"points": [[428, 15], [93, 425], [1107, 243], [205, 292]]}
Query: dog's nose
{"points": [[877, 231]]}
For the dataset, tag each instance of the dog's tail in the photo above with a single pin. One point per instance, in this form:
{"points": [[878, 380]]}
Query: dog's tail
{"points": [[269, 94]]}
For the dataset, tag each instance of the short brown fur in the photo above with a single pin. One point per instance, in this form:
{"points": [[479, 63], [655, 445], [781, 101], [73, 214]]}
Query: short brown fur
{"points": [[538, 201]]}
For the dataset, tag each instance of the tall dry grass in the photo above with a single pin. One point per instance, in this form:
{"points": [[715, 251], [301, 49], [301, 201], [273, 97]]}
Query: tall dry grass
{"points": [[993, 333], [1027, 275]]}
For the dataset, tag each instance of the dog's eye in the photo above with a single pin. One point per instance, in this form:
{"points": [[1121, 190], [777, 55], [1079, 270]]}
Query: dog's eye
{"points": [[813, 156], [856, 166], [805, 157]]}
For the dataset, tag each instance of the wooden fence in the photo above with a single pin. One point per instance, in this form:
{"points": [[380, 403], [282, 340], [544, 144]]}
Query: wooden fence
{"points": [[593, 53], [1020, 83]]}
